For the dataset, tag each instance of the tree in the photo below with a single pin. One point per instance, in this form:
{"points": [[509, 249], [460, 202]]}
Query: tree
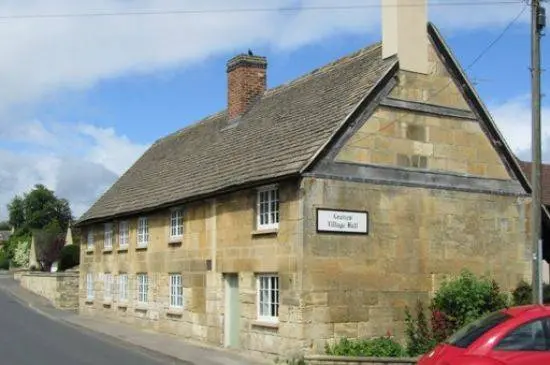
{"points": [[39, 208], [17, 212], [42, 207], [5, 226], [40, 213], [48, 244]]}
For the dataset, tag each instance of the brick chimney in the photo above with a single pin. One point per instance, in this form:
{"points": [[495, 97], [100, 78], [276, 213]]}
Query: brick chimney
{"points": [[405, 33], [246, 81]]}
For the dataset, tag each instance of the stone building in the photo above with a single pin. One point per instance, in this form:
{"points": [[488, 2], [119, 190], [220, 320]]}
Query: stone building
{"points": [[315, 209]]}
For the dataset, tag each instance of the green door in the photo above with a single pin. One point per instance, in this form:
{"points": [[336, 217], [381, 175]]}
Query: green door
{"points": [[232, 311]]}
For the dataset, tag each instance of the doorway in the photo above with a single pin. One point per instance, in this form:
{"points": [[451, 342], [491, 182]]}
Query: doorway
{"points": [[232, 311]]}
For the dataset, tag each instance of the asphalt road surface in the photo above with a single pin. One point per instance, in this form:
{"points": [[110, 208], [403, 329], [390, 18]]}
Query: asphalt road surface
{"points": [[29, 338]]}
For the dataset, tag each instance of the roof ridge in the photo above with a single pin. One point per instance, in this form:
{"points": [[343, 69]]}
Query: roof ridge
{"points": [[346, 58]]}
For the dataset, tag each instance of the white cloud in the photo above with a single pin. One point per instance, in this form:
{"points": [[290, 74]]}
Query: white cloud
{"points": [[513, 118], [59, 53], [79, 164]]}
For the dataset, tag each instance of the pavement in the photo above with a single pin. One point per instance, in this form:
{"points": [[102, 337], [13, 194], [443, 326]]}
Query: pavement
{"points": [[36, 332]]}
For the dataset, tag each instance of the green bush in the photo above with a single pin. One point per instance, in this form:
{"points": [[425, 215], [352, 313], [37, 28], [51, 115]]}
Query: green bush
{"points": [[4, 261], [375, 347], [467, 298], [69, 257], [523, 294], [458, 302]]}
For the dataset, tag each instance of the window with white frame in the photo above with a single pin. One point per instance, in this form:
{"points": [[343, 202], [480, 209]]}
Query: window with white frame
{"points": [[122, 287], [90, 243], [89, 286], [143, 232], [142, 288], [176, 223], [123, 234], [107, 286], [268, 208], [268, 297], [176, 291], [108, 236]]}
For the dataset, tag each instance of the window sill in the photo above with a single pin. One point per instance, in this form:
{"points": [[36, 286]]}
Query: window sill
{"points": [[89, 250], [174, 311], [141, 247], [123, 249], [107, 250], [142, 307], [270, 231], [122, 305], [265, 324], [175, 241], [107, 302], [89, 301]]}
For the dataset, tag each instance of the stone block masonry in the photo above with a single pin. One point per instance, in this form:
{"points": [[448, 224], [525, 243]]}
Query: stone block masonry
{"points": [[61, 289]]}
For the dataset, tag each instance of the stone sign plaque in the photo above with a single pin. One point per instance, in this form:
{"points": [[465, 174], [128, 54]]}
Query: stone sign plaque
{"points": [[342, 221]]}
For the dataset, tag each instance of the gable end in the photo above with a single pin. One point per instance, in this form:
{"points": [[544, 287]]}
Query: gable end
{"points": [[489, 172]]}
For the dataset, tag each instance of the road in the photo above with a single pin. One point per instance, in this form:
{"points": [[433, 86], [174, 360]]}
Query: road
{"points": [[29, 338]]}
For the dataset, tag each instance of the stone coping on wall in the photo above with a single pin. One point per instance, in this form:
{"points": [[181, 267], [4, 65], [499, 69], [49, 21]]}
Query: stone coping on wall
{"points": [[52, 274], [350, 360]]}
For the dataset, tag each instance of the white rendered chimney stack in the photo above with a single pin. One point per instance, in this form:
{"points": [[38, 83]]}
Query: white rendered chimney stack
{"points": [[405, 33]]}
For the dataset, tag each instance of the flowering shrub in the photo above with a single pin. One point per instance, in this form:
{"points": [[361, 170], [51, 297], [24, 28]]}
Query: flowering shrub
{"points": [[21, 253]]}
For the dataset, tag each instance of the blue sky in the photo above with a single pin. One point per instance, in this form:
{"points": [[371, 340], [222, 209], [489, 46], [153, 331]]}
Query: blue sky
{"points": [[84, 97]]}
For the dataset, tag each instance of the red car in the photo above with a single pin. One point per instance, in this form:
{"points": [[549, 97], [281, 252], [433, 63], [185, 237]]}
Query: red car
{"points": [[512, 336]]}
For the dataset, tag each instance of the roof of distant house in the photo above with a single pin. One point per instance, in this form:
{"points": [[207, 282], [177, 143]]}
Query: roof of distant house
{"points": [[5, 235], [545, 179]]}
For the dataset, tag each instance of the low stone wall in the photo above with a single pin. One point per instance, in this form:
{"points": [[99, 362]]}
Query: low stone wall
{"points": [[345, 360], [17, 273], [59, 288]]}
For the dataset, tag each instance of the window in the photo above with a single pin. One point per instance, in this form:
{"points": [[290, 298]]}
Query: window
{"points": [[143, 232], [471, 332], [142, 288], [268, 208], [529, 337], [123, 233], [176, 291], [176, 224], [90, 286], [268, 298], [123, 287], [108, 237], [90, 239], [108, 286]]}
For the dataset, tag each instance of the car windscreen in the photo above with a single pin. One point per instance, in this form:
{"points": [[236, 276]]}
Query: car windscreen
{"points": [[465, 336]]}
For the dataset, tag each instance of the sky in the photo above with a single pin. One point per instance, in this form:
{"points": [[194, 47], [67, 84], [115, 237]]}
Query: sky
{"points": [[82, 97]]}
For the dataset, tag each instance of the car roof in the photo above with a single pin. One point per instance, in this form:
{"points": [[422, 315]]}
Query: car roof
{"points": [[532, 309]]}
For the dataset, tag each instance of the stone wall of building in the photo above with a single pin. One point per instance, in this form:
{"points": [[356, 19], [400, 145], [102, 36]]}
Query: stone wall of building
{"points": [[61, 289], [220, 238], [358, 285]]}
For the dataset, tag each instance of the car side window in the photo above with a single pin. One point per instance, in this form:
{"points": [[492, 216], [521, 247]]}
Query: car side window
{"points": [[528, 337]]}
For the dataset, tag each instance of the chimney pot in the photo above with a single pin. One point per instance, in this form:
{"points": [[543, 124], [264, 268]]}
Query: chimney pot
{"points": [[246, 81]]}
